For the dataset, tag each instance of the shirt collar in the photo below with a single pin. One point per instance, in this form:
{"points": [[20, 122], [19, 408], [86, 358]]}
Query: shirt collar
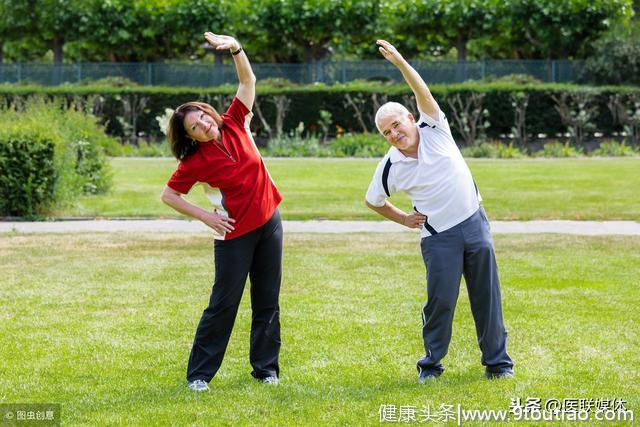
{"points": [[396, 155]]}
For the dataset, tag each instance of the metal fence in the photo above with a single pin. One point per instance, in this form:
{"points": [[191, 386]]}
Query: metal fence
{"points": [[329, 72]]}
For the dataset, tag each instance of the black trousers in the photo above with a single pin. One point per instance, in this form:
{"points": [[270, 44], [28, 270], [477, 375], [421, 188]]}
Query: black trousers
{"points": [[257, 254]]}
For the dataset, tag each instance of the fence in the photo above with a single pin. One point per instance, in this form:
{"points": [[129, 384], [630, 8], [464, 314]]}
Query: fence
{"points": [[329, 72]]}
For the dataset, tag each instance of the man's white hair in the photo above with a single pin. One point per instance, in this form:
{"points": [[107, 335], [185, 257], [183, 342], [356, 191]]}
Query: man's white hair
{"points": [[389, 109]]}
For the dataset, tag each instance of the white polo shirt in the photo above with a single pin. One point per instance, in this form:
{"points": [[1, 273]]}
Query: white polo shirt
{"points": [[438, 182]]}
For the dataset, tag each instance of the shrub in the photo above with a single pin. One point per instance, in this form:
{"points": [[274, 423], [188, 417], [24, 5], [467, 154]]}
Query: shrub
{"points": [[359, 145], [144, 149], [28, 175], [132, 111], [484, 149], [49, 155], [504, 151], [294, 146], [614, 149], [557, 149], [521, 79], [493, 150]]}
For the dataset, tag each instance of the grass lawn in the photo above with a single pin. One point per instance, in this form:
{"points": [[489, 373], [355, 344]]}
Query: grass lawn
{"points": [[595, 189], [102, 323]]}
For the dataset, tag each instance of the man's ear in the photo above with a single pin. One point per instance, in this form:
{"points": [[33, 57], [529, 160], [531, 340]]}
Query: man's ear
{"points": [[413, 120]]}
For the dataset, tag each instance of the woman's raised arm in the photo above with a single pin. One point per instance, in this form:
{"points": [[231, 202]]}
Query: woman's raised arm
{"points": [[247, 88]]}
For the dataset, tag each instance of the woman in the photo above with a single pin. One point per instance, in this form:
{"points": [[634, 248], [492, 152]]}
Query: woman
{"points": [[219, 150]]}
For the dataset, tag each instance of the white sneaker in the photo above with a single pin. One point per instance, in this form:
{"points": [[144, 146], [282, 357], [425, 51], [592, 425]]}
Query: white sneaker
{"points": [[270, 380], [198, 385]]}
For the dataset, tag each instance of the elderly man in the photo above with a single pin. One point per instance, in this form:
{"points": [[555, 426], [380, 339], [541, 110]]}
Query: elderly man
{"points": [[425, 162]]}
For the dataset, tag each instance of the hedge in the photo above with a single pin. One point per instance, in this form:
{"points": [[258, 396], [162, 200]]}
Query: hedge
{"points": [[49, 155], [125, 109]]}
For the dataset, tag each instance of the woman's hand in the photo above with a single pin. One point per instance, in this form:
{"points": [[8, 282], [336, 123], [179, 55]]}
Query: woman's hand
{"points": [[221, 224], [221, 42]]}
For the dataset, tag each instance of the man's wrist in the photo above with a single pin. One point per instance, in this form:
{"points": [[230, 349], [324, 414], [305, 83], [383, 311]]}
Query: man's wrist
{"points": [[236, 50]]}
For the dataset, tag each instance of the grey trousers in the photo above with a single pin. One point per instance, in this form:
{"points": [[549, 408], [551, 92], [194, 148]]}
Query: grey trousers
{"points": [[466, 248]]}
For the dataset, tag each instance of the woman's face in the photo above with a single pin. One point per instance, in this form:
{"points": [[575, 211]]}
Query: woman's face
{"points": [[201, 127]]}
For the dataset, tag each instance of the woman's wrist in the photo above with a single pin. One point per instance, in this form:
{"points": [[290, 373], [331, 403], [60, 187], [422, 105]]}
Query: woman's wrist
{"points": [[236, 50]]}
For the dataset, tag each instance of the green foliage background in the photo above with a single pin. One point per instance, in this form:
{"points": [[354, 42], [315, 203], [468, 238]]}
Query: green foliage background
{"points": [[304, 30], [49, 156], [307, 103]]}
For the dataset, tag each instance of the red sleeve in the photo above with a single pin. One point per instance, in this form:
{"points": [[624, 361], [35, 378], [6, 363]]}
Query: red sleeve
{"points": [[181, 180], [237, 111]]}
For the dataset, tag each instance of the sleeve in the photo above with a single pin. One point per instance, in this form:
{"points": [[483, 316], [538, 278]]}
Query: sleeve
{"points": [[379, 188], [441, 126], [181, 180], [442, 120], [239, 113]]}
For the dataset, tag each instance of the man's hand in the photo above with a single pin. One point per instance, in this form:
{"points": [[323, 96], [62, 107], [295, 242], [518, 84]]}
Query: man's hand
{"points": [[414, 220], [221, 42], [389, 52], [424, 99], [221, 224]]}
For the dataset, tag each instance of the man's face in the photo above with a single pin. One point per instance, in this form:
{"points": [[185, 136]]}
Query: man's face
{"points": [[400, 131]]}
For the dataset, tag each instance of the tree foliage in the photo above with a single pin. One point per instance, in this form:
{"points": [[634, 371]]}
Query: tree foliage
{"points": [[617, 56], [305, 30], [551, 29]]}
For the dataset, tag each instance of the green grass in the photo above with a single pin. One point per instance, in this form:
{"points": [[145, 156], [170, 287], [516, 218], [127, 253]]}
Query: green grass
{"points": [[102, 323], [596, 189]]}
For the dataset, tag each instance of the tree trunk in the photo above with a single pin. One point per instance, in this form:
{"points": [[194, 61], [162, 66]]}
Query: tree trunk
{"points": [[57, 46], [461, 66], [461, 46]]}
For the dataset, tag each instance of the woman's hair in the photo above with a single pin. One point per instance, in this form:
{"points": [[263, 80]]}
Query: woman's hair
{"points": [[182, 145]]}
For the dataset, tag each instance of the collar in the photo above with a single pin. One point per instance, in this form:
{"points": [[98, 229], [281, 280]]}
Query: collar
{"points": [[396, 155]]}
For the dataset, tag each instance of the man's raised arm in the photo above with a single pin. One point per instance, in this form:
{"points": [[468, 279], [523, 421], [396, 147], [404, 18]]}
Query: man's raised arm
{"points": [[424, 99]]}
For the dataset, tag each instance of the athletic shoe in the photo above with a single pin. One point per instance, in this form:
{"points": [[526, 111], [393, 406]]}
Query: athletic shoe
{"points": [[198, 385], [427, 375], [502, 373], [270, 380]]}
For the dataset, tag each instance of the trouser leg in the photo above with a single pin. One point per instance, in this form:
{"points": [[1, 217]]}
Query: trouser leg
{"points": [[442, 255], [266, 276], [232, 263], [483, 286]]}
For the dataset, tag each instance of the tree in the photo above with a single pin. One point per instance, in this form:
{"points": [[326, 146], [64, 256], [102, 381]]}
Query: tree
{"points": [[56, 22], [114, 31], [551, 29], [446, 23], [14, 23], [616, 57], [185, 22], [307, 30]]}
